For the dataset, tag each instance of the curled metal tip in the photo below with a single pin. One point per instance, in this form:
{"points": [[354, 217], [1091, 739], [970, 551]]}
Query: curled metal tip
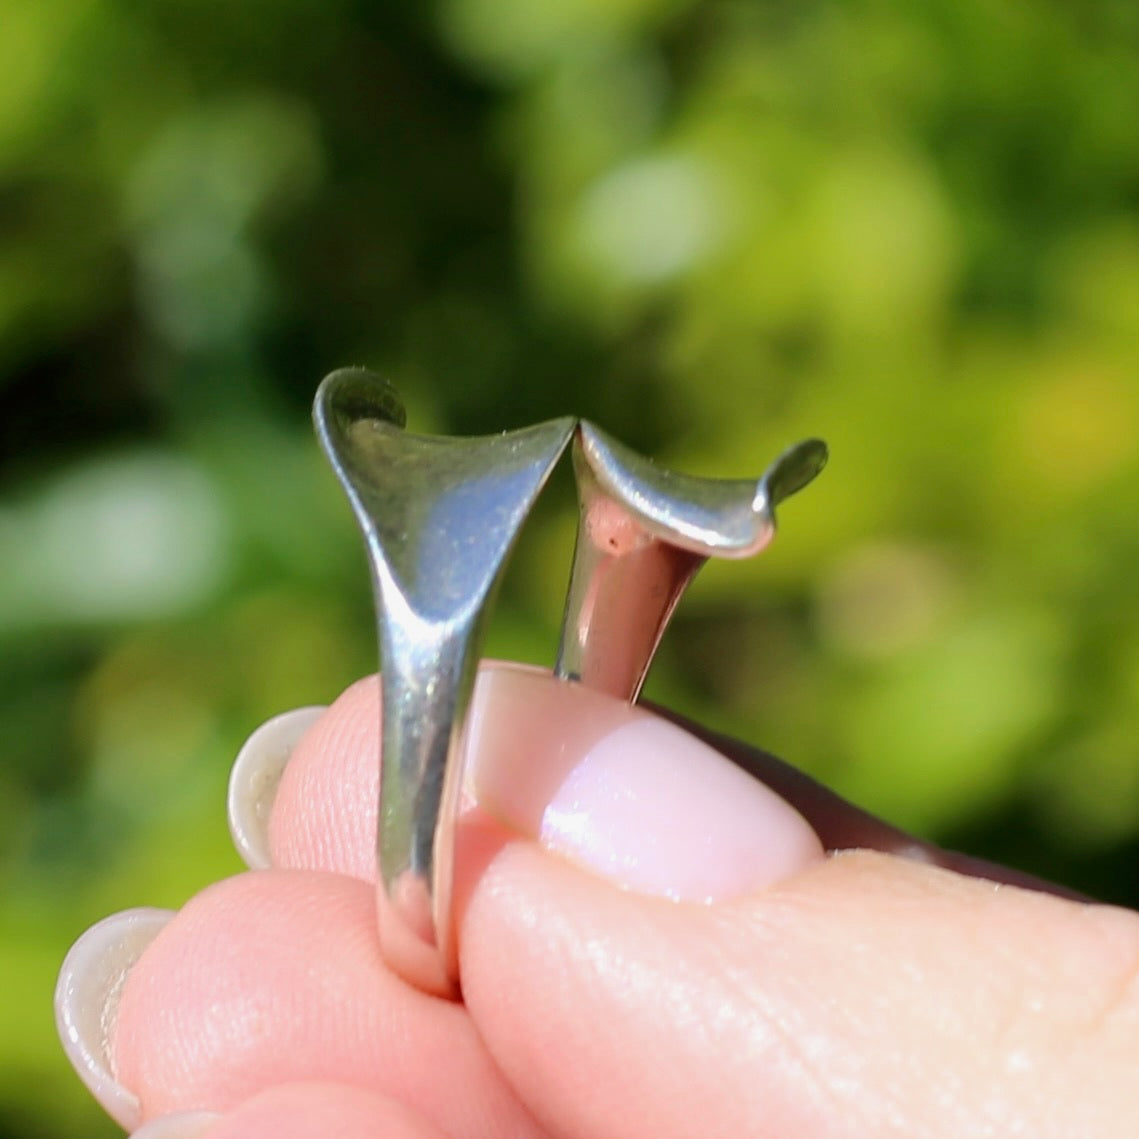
{"points": [[349, 397], [643, 534], [793, 470], [439, 517], [703, 516]]}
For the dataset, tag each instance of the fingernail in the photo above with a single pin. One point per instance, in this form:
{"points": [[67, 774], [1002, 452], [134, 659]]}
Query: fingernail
{"points": [[179, 1125], [87, 1001], [625, 794], [254, 780]]}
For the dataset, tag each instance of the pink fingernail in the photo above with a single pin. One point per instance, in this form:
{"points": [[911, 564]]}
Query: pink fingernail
{"points": [[626, 794], [87, 1000]]}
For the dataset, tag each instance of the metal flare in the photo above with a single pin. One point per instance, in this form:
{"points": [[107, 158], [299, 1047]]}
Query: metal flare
{"points": [[439, 516]]}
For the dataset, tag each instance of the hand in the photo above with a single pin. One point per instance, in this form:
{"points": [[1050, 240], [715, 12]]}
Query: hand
{"points": [[652, 944]]}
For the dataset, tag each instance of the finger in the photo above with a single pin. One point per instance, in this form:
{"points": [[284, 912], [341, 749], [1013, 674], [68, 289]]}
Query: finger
{"points": [[862, 994], [324, 812], [868, 996], [274, 978], [324, 815], [322, 1111]]}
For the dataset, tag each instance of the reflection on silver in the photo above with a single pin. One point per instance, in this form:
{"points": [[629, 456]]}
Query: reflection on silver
{"points": [[643, 534], [439, 517]]}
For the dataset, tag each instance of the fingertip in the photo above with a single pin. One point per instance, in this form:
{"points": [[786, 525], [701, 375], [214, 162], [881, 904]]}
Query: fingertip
{"points": [[325, 809], [88, 1000], [275, 977], [625, 794]]}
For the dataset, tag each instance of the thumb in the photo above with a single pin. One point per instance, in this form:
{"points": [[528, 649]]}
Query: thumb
{"points": [[668, 952]]}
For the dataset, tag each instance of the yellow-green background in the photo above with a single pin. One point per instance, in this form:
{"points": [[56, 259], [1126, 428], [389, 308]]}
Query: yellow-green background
{"points": [[910, 228]]}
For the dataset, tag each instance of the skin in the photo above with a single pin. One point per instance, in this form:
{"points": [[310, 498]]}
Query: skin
{"points": [[890, 990]]}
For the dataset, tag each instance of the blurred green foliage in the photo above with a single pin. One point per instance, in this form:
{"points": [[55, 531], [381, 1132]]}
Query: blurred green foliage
{"points": [[714, 227]]}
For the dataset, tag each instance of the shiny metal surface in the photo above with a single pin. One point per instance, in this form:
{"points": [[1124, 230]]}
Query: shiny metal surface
{"points": [[439, 517], [643, 534]]}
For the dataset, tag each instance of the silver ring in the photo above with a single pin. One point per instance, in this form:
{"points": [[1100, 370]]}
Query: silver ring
{"points": [[440, 516]]}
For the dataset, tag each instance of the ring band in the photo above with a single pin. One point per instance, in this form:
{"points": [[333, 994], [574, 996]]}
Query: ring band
{"points": [[440, 516]]}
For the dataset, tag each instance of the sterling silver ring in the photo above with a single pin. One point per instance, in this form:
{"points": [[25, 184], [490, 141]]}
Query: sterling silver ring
{"points": [[440, 516]]}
